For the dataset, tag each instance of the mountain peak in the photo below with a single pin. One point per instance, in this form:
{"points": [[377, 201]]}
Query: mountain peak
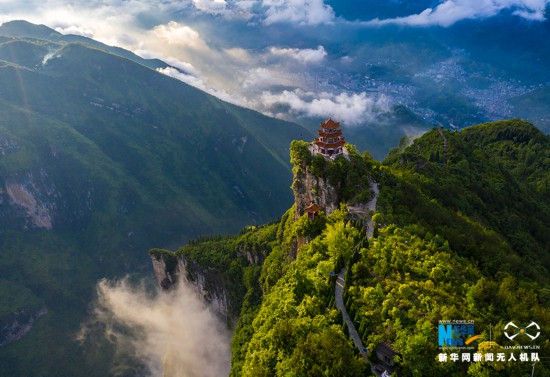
{"points": [[516, 130], [21, 28]]}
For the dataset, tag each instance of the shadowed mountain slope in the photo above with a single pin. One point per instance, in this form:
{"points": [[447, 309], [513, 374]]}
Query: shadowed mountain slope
{"points": [[102, 157]]}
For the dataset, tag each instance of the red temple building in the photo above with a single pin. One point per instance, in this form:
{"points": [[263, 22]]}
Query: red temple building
{"points": [[312, 210], [330, 142]]}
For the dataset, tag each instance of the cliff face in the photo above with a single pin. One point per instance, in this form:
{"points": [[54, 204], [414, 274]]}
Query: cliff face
{"points": [[166, 269], [308, 188], [32, 199], [210, 266], [208, 282], [253, 257]]}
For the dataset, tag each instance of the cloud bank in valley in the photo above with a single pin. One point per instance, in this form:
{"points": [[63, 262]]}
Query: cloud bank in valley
{"points": [[173, 333], [352, 109]]}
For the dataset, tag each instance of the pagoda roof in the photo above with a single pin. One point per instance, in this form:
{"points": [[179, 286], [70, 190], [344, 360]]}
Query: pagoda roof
{"points": [[339, 143], [331, 134], [329, 124], [312, 208]]}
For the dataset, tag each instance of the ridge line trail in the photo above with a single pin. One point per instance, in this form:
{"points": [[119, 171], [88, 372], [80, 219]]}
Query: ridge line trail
{"points": [[339, 288], [444, 145]]}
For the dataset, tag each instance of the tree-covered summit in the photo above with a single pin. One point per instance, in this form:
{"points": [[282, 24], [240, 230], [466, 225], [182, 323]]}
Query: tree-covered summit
{"points": [[460, 234], [489, 197]]}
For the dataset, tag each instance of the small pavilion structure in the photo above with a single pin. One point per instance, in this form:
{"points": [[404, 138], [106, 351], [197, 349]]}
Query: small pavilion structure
{"points": [[312, 210], [330, 143], [385, 353]]}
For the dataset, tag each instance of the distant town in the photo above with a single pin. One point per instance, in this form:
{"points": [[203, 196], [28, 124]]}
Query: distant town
{"points": [[487, 97]]}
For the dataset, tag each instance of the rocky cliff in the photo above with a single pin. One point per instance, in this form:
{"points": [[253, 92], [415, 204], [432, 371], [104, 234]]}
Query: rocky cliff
{"points": [[165, 266], [30, 199], [210, 283], [308, 188]]}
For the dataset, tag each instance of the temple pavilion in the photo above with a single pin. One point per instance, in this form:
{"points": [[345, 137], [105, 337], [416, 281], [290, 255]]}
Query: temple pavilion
{"points": [[330, 142], [312, 210]]}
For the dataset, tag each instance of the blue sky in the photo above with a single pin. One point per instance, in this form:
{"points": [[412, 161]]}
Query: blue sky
{"points": [[266, 55]]}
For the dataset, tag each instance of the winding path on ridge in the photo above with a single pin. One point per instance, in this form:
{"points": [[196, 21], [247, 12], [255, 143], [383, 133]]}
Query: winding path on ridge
{"points": [[444, 145], [339, 288]]}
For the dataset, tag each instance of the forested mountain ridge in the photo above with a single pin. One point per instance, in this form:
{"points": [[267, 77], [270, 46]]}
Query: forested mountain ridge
{"points": [[495, 178], [461, 235], [464, 235], [100, 157]]}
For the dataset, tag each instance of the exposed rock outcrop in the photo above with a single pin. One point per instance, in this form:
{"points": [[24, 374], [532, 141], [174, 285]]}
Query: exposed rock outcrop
{"points": [[309, 188], [17, 325], [254, 257], [209, 283], [165, 266], [34, 198]]}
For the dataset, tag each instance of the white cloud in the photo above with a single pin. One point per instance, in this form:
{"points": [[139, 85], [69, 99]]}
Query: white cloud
{"points": [[199, 83], [182, 66], [211, 6], [257, 79], [530, 15], [178, 34], [113, 23], [260, 78], [245, 6], [234, 61], [174, 62], [351, 109], [52, 54], [451, 11], [230, 9], [240, 55], [302, 55], [184, 77], [304, 12], [74, 29], [174, 334]]}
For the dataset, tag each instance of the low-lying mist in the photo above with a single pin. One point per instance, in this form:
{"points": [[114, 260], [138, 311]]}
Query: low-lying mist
{"points": [[170, 333]]}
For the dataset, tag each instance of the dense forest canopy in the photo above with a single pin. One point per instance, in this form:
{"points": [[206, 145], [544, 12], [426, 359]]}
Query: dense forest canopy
{"points": [[462, 232]]}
